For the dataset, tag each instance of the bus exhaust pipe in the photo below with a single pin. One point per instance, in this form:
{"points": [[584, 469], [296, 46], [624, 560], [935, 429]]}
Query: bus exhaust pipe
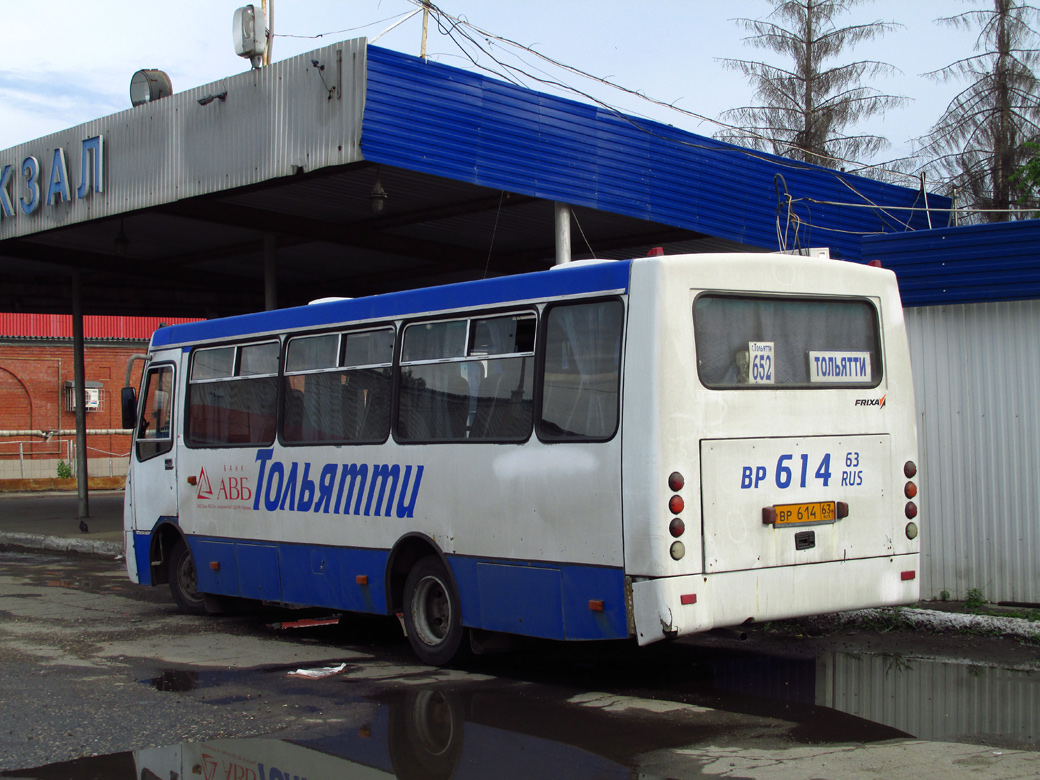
{"points": [[731, 633]]}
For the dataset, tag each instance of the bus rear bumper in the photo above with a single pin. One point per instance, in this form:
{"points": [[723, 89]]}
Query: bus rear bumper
{"points": [[666, 607]]}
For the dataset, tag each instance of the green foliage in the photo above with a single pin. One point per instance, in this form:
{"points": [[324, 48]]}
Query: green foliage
{"points": [[979, 144], [887, 619], [944, 595], [64, 470], [1027, 177], [974, 600]]}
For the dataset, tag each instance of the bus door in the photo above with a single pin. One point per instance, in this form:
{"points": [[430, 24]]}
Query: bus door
{"points": [[153, 487]]}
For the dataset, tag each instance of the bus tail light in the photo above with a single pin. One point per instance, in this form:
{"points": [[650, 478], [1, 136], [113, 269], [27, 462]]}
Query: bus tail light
{"points": [[911, 531], [676, 526], [910, 469], [910, 490], [907, 575], [911, 510], [688, 598]]}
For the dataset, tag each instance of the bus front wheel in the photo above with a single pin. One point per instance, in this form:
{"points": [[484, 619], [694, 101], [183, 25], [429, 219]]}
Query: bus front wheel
{"points": [[184, 581], [433, 614]]}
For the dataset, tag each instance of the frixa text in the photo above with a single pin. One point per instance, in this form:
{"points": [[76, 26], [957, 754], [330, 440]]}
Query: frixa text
{"points": [[338, 488], [871, 401]]}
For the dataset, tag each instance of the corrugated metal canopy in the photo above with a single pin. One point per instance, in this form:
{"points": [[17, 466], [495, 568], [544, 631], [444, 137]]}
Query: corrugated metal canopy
{"points": [[193, 185], [969, 264]]}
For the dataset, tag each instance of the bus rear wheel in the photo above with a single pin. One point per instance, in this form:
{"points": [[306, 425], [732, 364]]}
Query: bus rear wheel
{"points": [[433, 614], [184, 580]]}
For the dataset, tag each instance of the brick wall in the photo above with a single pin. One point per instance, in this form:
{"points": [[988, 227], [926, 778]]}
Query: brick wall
{"points": [[33, 396]]}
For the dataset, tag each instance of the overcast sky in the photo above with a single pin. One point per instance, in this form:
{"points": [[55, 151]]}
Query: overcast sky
{"points": [[64, 62]]}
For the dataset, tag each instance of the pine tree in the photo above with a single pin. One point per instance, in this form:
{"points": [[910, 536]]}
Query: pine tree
{"points": [[808, 109], [979, 143]]}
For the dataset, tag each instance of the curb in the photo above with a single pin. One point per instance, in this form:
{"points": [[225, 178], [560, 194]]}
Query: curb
{"points": [[96, 547]]}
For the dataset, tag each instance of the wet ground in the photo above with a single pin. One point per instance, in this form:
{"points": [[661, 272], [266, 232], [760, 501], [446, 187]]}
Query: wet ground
{"points": [[834, 702]]}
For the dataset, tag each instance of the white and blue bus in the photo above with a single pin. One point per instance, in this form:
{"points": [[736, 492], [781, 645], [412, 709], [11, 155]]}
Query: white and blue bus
{"points": [[605, 450]]}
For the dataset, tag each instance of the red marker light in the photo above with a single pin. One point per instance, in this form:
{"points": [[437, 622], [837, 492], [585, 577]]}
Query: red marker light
{"points": [[910, 469], [677, 527], [910, 490], [911, 510], [676, 481], [676, 504]]}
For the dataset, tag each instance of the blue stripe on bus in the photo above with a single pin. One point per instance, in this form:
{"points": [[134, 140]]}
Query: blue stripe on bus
{"points": [[531, 599], [142, 554], [536, 599], [581, 279]]}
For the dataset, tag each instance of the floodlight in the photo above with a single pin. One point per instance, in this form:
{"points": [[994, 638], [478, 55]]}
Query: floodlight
{"points": [[249, 32], [147, 86]]}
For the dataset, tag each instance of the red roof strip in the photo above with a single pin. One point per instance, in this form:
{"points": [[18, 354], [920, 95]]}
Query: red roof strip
{"points": [[59, 326]]}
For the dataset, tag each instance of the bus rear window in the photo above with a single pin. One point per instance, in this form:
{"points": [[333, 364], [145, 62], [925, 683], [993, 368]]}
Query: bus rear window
{"points": [[770, 342]]}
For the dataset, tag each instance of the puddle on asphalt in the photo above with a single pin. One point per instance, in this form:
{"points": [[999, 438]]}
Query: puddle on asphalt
{"points": [[933, 699], [429, 733], [508, 730]]}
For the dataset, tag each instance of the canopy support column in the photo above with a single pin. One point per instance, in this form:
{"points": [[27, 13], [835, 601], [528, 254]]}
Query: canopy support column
{"points": [[80, 393], [563, 233], [270, 272]]}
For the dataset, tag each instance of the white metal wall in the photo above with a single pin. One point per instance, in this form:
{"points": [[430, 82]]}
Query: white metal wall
{"points": [[977, 385], [276, 121]]}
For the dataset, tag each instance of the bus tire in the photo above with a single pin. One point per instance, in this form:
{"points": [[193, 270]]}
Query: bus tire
{"points": [[184, 580], [433, 614]]}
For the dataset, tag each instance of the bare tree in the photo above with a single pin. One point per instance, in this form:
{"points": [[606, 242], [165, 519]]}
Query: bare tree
{"points": [[979, 142], [808, 108]]}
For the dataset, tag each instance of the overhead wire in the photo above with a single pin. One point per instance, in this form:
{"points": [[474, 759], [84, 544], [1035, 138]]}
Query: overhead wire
{"points": [[489, 36], [456, 28], [450, 25]]}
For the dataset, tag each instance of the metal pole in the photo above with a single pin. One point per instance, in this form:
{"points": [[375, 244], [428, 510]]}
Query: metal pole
{"points": [[270, 272], [563, 233], [425, 24], [80, 383]]}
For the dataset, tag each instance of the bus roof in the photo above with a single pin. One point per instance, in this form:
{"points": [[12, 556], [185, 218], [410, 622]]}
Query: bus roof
{"points": [[578, 279]]}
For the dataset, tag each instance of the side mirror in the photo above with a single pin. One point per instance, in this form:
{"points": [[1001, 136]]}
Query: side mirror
{"points": [[128, 401]]}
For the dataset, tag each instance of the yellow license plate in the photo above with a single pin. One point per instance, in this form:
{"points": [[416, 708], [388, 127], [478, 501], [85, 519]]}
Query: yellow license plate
{"points": [[814, 512]]}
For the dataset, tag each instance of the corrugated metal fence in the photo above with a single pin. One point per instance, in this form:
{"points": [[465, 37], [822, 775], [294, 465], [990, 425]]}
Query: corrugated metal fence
{"points": [[977, 386]]}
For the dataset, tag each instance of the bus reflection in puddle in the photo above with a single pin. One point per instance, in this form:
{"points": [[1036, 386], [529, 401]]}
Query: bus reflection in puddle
{"points": [[538, 731]]}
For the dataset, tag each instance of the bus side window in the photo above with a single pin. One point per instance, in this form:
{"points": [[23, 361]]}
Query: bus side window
{"points": [[467, 380], [580, 389], [337, 388], [154, 429], [232, 395]]}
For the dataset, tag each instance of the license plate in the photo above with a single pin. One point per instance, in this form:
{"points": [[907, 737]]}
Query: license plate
{"points": [[800, 514]]}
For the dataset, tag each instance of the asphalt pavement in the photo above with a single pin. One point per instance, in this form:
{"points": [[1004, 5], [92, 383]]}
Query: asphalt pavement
{"points": [[50, 521]]}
